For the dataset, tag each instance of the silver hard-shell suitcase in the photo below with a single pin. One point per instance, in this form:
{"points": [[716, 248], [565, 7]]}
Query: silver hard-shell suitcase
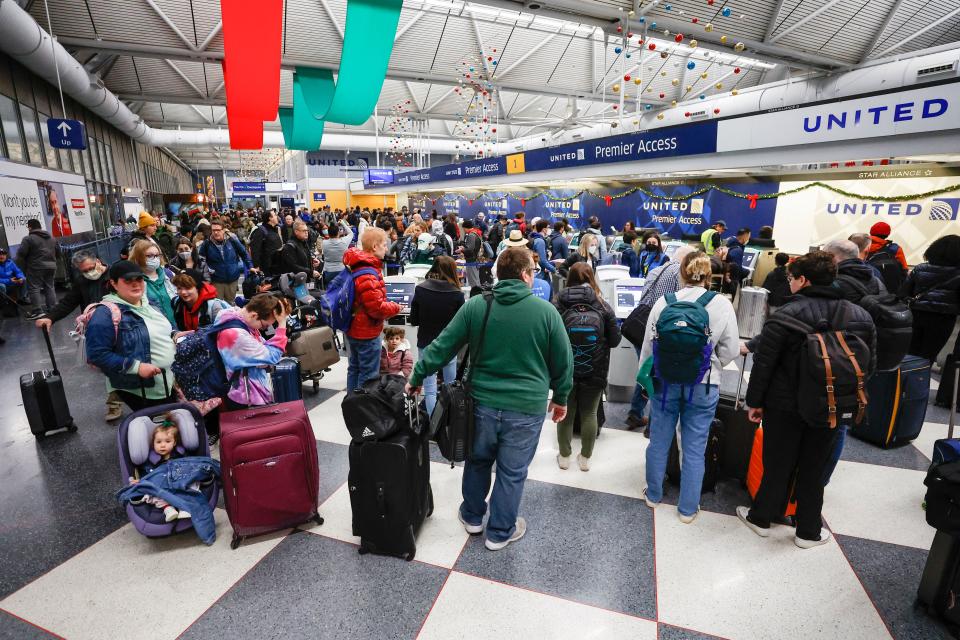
{"points": [[752, 311]]}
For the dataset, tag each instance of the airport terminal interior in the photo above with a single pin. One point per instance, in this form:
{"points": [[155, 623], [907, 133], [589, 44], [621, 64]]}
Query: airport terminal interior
{"points": [[752, 130]]}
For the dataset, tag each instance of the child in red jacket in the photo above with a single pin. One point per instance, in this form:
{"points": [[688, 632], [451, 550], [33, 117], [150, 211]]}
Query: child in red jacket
{"points": [[370, 307], [395, 357]]}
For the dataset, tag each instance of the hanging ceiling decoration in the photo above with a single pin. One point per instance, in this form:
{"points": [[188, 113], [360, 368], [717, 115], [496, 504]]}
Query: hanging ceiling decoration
{"points": [[477, 114]]}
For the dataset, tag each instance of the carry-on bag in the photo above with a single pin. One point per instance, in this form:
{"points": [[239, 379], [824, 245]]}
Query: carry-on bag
{"points": [[44, 400], [755, 475], [390, 494], [712, 457], [381, 408], [287, 385], [752, 311], [898, 404], [315, 348], [739, 432], [271, 477], [939, 590], [452, 422]]}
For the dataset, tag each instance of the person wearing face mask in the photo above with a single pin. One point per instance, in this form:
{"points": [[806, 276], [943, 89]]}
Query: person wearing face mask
{"points": [[160, 291], [588, 251], [188, 258], [652, 256], [135, 353]]}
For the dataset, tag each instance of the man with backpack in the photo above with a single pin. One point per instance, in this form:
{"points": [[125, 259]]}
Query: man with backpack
{"points": [[360, 289], [887, 257], [518, 223], [557, 243], [539, 246], [519, 353], [226, 259], [497, 231], [802, 397], [472, 252]]}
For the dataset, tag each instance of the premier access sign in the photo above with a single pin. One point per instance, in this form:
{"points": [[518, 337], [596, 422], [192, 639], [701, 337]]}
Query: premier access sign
{"points": [[66, 134]]}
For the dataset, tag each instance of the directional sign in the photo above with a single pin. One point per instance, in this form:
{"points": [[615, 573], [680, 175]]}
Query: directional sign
{"points": [[66, 134]]}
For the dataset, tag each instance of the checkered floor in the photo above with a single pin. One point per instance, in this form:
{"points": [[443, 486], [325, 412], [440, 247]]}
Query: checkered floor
{"points": [[596, 562]]}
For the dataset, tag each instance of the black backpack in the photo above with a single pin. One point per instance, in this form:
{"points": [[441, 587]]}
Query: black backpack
{"points": [[832, 372], [894, 322], [380, 408], [587, 332], [891, 271], [472, 244]]}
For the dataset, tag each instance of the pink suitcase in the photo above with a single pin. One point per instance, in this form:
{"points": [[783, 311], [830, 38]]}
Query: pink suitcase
{"points": [[268, 459]]}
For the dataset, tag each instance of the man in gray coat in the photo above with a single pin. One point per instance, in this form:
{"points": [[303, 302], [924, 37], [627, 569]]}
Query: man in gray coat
{"points": [[37, 256]]}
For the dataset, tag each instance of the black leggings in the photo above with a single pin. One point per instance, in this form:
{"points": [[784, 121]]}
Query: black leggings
{"points": [[136, 401]]}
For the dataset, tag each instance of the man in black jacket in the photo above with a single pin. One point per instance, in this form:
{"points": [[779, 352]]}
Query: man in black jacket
{"points": [[789, 441], [265, 242], [296, 256], [37, 256], [851, 270], [89, 285]]}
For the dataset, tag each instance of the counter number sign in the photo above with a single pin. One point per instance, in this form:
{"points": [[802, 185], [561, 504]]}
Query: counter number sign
{"points": [[66, 134]]}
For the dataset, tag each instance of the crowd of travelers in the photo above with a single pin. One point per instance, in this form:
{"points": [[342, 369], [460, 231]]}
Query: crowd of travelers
{"points": [[550, 330]]}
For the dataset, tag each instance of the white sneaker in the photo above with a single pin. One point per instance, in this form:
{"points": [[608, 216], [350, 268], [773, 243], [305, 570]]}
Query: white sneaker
{"points": [[563, 462], [760, 531], [583, 462], [518, 533], [472, 529], [688, 519], [810, 544], [170, 514], [183, 515], [650, 503]]}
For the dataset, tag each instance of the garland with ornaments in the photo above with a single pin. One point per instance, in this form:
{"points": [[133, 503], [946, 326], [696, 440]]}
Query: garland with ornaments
{"points": [[752, 198]]}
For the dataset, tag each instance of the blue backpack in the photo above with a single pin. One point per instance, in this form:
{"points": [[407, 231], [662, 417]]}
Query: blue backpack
{"points": [[197, 364], [336, 303], [681, 345]]}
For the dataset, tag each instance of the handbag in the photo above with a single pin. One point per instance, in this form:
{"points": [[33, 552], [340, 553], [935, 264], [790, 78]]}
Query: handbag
{"points": [[452, 423]]}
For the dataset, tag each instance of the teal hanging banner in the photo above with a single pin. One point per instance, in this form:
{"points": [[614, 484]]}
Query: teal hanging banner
{"points": [[367, 44], [312, 92]]}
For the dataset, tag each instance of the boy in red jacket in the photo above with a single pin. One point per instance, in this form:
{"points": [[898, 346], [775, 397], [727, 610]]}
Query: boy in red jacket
{"points": [[370, 307]]}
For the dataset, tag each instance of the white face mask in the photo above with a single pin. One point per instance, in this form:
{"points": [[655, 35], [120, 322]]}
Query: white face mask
{"points": [[94, 274], [153, 263], [594, 249], [184, 255]]}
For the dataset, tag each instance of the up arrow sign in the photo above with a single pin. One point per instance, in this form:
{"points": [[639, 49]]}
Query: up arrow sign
{"points": [[66, 134]]}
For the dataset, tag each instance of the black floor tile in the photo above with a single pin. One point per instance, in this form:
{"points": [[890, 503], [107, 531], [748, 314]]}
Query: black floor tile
{"points": [[334, 465], [314, 587], [668, 632], [725, 498], [902, 457], [13, 628], [891, 574], [591, 547]]}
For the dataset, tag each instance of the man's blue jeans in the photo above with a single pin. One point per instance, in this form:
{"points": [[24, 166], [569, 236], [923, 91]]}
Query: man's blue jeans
{"points": [[695, 413], [430, 384], [363, 362], [510, 439], [639, 402]]}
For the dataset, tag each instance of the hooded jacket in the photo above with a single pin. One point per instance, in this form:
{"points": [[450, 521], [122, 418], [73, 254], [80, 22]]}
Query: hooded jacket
{"points": [[400, 362], [776, 361], [265, 242], [434, 304], [8, 271], [37, 252], [203, 312], [226, 260], [370, 304], [584, 294], [296, 257], [933, 288], [856, 269], [526, 352]]}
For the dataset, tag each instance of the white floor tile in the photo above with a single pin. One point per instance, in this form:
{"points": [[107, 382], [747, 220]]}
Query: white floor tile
{"points": [[441, 538], [931, 432], [327, 421], [112, 589], [878, 503], [617, 464], [718, 577], [470, 607]]}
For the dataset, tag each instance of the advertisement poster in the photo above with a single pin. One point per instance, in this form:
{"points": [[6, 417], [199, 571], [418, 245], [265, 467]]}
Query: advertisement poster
{"points": [[815, 216], [78, 207], [65, 209], [20, 201]]}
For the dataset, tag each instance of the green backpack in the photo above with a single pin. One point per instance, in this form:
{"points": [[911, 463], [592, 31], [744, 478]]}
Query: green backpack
{"points": [[681, 343]]}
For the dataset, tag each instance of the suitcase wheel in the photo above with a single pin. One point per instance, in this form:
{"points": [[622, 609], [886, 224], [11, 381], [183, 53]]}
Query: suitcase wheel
{"points": [[316, 386], [362, 550], [72, 428], [408, 557], [430, 502], [235, 542], [318, 519]]}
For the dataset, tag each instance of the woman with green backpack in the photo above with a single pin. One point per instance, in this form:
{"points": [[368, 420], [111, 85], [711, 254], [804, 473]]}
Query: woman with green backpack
{"points": [[691, 335]]}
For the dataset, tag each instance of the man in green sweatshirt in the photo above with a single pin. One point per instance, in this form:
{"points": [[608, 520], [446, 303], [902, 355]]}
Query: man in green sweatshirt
{"points": [[525, 354]]}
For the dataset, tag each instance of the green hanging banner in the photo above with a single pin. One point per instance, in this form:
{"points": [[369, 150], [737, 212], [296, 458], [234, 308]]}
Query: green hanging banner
{"points": [[312, 93], [367, 44]]}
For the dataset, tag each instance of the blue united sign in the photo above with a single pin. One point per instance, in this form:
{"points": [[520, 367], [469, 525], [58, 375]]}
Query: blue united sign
{"points": [[66, 134]]}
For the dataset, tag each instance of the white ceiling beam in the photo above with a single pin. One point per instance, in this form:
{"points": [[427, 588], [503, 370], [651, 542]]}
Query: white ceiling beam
{"points": [[170, 23], [437, 102], [529, 52], [875, 40], [772, 22], [213, 34], [333, 18], [413, 96], [915, 34], [206, 117], [186, 79], [804, 20], [410, 23], [526, 106]]}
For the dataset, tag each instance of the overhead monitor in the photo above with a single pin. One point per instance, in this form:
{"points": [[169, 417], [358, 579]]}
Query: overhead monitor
{"points": [[627, 293], [377, 177]]}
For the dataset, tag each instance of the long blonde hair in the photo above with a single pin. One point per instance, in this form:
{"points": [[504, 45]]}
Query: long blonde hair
{"points": [[587, 240]]}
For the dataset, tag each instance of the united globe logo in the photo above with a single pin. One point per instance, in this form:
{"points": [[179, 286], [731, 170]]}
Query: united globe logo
{"points": [[945, 209]]}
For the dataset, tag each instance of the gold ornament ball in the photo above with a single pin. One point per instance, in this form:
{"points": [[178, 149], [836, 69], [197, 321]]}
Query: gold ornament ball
{"points": [[663, 74], [666, 32], [675, 82], [708, 27], [694, 44], [734, 93], [659, 116], [723, 39], [673, 103], [689, 88], [631, 13], [613, 125], [719, 85], [739, 46], [636, 81], [704, 75], [616, 88], [636, 122]]}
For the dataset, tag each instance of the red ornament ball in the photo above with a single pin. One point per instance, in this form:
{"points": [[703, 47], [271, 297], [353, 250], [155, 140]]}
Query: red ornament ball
{"points": [[695, 20], [710, 2], [627, 77], [629, 34], [619, 29], [494, 130], [662, 95], [615, 107], [686, 115], [716, 111], [652, 46], [736, 70], [489, 58], [678, 37]]}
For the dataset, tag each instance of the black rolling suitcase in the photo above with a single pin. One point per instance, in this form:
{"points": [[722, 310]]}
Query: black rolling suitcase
{"points": [[287, 384], [44, 400], [712, 457], [390, 493], [939, 589], [897, 404], [739, 432]]}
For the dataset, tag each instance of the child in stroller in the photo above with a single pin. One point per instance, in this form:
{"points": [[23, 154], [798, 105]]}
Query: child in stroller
{"points": [[166, 446]]}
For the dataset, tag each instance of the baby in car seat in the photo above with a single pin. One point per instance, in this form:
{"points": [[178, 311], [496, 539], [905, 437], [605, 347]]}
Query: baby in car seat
{"points": [[166, 447]]}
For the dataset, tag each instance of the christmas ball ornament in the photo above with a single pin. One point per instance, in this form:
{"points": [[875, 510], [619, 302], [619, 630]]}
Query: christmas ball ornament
{"points": [[694, 44], [703, 97], [653, 25], [615, 107], [719, 85], [664, 55], [723, 39], [686, 114], [626, 78], [629, 34], [734, 92], [642, 19], [695, 20], [666, 33], [636, 122], [726, 12], [716, 112], [675, 82], [678, 37], [636, 81], [617, 50], [691, 65], [494, 63], [652, 46], [736, 70], [648, 107], [616, 88], [619, 29], [489, 58], [663, 74], [703, 75], [627, 55], [709, 3], [708, 27], [673, 103], [667, 7], [493, 130], [659, 116], [689, 88], [613, 125], [631, 13], [662, 95], [739, 46]]}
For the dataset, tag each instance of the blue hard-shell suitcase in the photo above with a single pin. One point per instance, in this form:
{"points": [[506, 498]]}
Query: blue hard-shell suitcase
{"points": [[896, 404], [287, 385]]}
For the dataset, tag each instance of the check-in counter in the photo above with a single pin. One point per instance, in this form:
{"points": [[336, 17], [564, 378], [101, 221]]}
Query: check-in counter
{"points": [[622, 376]]}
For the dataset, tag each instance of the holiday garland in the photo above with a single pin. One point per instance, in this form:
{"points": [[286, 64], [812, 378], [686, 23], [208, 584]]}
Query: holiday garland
{"points": [[752, 197]]}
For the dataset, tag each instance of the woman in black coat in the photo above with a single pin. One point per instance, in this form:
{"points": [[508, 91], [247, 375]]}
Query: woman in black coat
{"points": [[933, 291], [588, 251], [435, 301]]}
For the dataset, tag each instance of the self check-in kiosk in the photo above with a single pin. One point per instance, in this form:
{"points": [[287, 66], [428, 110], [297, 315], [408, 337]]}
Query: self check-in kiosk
{"points": [[622, 376], [400, 290], [607, 274], [671, 247]]}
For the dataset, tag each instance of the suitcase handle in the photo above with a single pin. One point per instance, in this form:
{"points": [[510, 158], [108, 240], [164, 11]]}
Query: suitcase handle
{"points": [[743, 368], [953, 407], [53, 360], [143, 388]]}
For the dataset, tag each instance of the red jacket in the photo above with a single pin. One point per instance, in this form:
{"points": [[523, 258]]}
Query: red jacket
{"points": [[877, 243], [370, 304]]}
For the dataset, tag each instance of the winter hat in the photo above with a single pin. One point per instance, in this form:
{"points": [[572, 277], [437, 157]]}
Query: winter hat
{"points": [[145, 220], [880, 229]]}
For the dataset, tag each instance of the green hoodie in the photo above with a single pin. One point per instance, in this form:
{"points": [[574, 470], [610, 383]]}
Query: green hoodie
{"points": [[526, 351]]}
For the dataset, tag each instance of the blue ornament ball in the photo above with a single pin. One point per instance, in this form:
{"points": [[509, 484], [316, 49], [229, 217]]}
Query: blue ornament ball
{"points": [[648, 107], [627, 55], [726, 12], [691, 65], [653, 25], [494, 63], [642, 19], [667, 7], [703, 97], [617, 50]]}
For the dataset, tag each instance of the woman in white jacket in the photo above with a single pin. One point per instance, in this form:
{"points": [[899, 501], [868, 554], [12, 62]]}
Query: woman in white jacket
{"points": [[694, 407]]}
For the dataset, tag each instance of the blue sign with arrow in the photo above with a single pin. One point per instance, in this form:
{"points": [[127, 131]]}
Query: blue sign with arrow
{"points": [[66, 134]]}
